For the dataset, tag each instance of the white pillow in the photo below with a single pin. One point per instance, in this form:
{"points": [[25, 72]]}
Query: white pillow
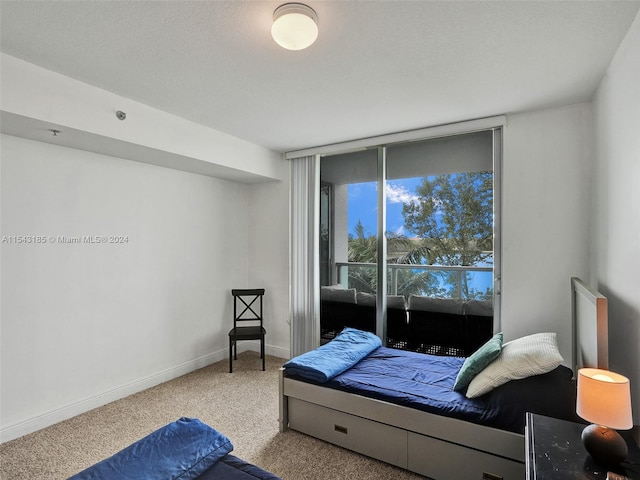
{"points": [[527, 356]]}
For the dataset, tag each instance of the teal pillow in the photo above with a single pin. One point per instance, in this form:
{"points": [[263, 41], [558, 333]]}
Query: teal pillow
{"points": [[477, 362]]}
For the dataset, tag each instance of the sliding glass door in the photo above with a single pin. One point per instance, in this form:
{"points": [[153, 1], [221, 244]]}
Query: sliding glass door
{"points": [[426, 210], [348, 289]]}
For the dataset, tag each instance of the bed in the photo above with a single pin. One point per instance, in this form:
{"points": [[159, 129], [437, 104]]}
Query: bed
{"points": [[186, 449], [432, 440], [233, 468]]}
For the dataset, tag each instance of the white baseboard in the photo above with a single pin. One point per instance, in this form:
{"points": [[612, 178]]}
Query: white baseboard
{"points": [[18, 429], [279, 352], [254, 346]]}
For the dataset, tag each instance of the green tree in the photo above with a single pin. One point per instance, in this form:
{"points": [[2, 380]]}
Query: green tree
{"points": [[363, 248], [454, 217], [451, 224]]}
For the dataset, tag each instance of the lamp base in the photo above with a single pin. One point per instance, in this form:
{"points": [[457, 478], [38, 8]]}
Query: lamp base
{"points": [[604, 444]]}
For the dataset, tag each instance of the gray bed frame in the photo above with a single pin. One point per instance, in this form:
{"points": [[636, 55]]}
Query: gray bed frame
{"points": [[438, 447]]}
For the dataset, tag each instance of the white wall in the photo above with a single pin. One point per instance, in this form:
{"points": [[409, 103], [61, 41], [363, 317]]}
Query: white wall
{"points": [[83, 324], [86, 324], [269, 258], [546, 179], [616, 203]]}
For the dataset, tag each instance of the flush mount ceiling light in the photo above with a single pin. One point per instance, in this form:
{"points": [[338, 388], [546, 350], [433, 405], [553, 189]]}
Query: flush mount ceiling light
{"points": [[295, 26]]}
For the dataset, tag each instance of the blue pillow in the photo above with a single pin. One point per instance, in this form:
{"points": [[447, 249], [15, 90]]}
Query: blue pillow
{"points": [[331, 359], [478, 361], [181, 450]]}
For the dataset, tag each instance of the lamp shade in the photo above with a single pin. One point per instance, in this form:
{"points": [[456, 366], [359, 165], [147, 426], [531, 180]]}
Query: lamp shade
{"points": [[295, 26], [604, 398]]}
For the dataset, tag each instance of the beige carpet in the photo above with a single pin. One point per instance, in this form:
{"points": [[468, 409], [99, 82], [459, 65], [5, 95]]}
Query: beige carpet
{"points": [[242, 405]]}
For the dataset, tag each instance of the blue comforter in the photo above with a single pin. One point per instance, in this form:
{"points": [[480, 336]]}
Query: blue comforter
{"points": [[181, 450], [425, 382], [333, 358]]}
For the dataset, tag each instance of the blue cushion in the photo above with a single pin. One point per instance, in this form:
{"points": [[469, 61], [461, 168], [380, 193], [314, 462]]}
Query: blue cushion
{"points": [[181, 450], [478, 361], [325, 362]]}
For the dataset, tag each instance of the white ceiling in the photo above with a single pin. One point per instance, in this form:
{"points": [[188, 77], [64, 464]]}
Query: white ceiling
{"points": [[378, 66]]}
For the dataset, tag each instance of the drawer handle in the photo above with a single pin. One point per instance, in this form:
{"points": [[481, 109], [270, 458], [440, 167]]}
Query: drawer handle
{"points": [[490, 476], [341, 429]]}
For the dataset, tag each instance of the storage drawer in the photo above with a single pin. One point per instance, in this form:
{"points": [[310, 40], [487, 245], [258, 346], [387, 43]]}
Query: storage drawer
{"points": [[447, 461], [370, 438]]}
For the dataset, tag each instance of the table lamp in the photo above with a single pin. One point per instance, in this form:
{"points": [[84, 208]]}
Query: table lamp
{"points": [[604, 398]]}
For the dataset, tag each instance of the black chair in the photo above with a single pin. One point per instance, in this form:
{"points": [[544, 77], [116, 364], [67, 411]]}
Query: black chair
{"points": [[247, 308]]}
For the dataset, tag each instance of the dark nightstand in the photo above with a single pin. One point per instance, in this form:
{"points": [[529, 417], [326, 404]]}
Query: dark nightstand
{"points": [[554, 451]]}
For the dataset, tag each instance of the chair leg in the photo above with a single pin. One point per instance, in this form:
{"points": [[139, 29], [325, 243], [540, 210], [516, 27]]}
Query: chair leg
{"points": [[230, 356], [262, 352]]}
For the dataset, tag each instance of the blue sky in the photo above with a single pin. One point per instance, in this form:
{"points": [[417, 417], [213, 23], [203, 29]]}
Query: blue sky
{"points": [[363, 204], [362, 199]]}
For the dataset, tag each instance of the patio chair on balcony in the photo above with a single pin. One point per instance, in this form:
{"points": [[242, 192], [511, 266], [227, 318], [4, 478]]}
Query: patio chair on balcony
{"points": [[397, 326], [479, 314], [437, 326]]}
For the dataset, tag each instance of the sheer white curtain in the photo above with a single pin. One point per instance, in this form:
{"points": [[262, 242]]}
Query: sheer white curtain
{"points": [[305, 302]]}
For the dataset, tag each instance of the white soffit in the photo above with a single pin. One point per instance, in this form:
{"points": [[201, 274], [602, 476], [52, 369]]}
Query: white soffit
{"points": [[33, 129]]}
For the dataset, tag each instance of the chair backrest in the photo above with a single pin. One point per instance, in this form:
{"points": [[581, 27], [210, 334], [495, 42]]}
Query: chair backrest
{"points": [[247, 305]]}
